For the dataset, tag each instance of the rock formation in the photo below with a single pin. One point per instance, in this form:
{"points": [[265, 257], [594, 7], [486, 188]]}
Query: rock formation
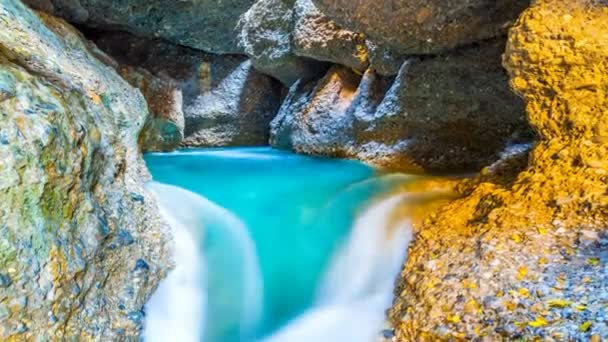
{"points": [[205, 25], [450, 112], [225, 101], [423, 27], [81, 245], [318, 37], [526, 259]]}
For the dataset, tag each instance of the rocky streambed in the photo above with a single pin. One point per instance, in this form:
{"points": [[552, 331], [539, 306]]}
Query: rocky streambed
{"points": [[510, 90]]}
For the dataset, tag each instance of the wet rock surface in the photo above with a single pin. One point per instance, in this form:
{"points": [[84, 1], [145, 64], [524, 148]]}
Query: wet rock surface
{"points": [[526, 259], [423, 27], [76, 224]]}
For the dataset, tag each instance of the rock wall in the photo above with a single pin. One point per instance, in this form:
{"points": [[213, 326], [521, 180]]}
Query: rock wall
{"points": [[81, 245], [447, 110], [204, 24], [525, 259], [446, 113], [225, 101]]}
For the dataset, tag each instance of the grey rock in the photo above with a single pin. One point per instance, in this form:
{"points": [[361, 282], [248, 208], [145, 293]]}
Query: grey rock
{"points": [[385, 60], [424, 26], [314, 117], [203, 24], [454, 111], [66, 175], [318, 37], [226, 102], [450, 112], [266, 37], [235, 111]]}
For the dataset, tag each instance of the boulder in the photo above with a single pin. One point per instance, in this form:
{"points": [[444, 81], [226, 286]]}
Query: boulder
{"points": [[266, 37], [450, 112], [424, 27], [453, 111], [314, 117], [81, 244], [207, 25], [318, 37], [526, 259], [226, 102]]}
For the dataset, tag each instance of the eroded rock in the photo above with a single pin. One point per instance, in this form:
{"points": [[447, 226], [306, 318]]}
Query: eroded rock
{"points": [[422, 27], [526, 259], [318, 37], [70, 186], [208, 25], [225, 101], [266, 37], [450, 112]]}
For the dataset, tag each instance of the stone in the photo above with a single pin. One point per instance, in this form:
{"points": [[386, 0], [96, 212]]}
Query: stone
{"points": [[384, 60], [314, 116], [68, 162], [446, 113], [515, 247], [318, 37], [226, 102], [207, 25], [424, 27], [164, 128], [454, 111], [266, 37]]}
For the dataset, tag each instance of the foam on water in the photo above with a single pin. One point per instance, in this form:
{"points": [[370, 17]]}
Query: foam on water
{"points": [[179, 309], [305, 227], [358, 286]]}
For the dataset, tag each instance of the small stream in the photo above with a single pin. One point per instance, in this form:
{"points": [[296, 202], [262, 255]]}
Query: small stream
{"points": [[273, 246]]}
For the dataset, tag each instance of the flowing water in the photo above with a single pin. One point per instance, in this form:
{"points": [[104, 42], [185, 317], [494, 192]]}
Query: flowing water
{"points": [[277, 247]]}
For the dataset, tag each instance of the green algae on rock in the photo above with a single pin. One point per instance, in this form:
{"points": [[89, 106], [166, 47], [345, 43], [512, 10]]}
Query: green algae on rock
{"points": [[526, 259], [81, 245]]}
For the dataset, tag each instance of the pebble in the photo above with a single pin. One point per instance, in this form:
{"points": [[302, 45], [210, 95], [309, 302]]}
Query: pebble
{"points": [[5, 280]]}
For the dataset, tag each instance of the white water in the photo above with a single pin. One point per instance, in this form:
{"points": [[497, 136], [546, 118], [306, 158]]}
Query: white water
{"points": [[359, 284], [352, 297], [177, 310]]}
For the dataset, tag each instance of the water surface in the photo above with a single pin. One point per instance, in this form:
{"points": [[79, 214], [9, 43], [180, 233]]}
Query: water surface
{"points": [[276, 237]]}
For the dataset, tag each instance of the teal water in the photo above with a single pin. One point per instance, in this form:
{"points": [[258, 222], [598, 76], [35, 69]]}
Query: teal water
{"points": [[297, 210]]}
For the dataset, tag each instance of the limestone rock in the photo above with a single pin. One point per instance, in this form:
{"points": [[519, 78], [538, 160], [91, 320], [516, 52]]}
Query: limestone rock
{"points": [[314, 117], [81, 244], [203, 24], [164, 128], [266, 37], [450, 112], [318, 37], [454, 111], [526, 259], [225, 101], [384, 60], [422, 27]]}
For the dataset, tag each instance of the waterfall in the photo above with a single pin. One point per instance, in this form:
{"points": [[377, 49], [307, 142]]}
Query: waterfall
{"points": [[358, 286], [179, 308]]}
